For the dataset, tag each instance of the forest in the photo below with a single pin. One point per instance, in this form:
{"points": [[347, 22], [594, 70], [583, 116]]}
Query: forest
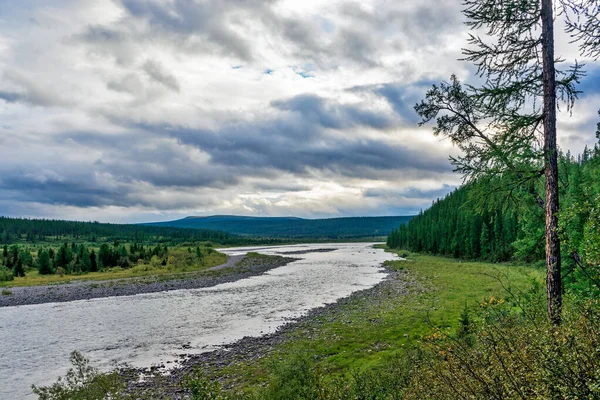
{"points": [[478, 222], [78, 259], [18, 230], [49, 247]]}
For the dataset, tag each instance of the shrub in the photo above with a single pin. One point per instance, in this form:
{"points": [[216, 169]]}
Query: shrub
{"points": [[6, 274], [516, 355], [296, 378], [201, 388], [83, 382]]}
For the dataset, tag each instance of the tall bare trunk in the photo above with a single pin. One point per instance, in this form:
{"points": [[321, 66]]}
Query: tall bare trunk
{"points": [[553, 275]]}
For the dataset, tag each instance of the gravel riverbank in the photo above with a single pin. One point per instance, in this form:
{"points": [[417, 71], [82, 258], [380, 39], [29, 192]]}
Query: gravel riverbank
{"points": [[237, 267], [160, 385]]}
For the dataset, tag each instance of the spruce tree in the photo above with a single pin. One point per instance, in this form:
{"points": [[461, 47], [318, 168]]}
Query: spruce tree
{"points": [[44, 264], [86, 261], [18, 269], [93, 261]]}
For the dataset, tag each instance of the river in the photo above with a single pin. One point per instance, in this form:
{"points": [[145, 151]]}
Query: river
{"points": [[146, 329]]}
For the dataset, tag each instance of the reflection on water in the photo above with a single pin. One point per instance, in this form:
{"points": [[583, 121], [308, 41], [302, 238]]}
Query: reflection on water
{"points": [[36, 340]]}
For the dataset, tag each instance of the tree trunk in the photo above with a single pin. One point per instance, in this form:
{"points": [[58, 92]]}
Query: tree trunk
{"points": [[553, 274]]}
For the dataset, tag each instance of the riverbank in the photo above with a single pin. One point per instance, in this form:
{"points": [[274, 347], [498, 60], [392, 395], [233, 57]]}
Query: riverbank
{"points": [[236, 268], [164, 381], [356, 333]]}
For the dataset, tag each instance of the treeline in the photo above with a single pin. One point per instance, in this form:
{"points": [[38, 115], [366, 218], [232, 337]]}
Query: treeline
{"points": [[469, 223], [452, 228], [13, 230], [72, 258]]}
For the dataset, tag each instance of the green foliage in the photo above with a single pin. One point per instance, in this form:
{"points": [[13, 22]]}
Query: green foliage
{"points": [[6, 274], [202, 388], [18, 269], [296, 378], [591, 236], [83, 382], [516, 355], [456, 226], [44, 265], [300, 378]]}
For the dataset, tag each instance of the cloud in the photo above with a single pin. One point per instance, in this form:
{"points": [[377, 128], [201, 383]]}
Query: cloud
{"points": [[402, 98], [335, 116], [12, 97], [157, 73], [131, 110]]}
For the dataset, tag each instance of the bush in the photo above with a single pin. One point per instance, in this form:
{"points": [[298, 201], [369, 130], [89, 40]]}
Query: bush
{"points": [[83, 382], [6, 274], [201, 388], [516, 355]]}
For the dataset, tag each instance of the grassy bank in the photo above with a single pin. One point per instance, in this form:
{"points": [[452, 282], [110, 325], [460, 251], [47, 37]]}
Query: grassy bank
{"points": [[366, 331]]}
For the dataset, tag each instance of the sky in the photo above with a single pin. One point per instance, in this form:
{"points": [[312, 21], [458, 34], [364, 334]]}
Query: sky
{"points": [[151, 110]]}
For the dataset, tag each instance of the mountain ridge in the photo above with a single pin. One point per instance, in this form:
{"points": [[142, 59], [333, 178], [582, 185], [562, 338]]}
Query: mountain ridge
{"points": [[292, 227]]}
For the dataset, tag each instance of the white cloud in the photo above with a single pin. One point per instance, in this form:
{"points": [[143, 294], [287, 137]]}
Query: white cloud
{"points": [[132, 110]]}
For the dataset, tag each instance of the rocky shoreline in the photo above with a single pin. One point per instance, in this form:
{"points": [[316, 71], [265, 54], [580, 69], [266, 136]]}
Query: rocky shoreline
{"points": [[236, 268], [162, 382]]}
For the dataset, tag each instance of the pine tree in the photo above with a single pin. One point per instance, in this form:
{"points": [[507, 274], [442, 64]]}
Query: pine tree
{"points": [[93, 261], [18, 269], [485, 241], [86, 262], [44, 265]]}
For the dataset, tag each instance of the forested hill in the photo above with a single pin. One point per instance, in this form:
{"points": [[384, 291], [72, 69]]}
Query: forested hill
{"points": [[511, 227], [296, 228], [14, 230]]}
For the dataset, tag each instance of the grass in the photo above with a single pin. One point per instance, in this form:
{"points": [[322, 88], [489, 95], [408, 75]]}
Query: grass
{"points": [[366, 331], [33, 278]]}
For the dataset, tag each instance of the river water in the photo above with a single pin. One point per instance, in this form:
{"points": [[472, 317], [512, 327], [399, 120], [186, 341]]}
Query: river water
{"points": [[146, 329]]}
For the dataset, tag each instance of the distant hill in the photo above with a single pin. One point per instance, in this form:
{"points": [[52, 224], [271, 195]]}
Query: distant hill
{"points": [[290, 227]]}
